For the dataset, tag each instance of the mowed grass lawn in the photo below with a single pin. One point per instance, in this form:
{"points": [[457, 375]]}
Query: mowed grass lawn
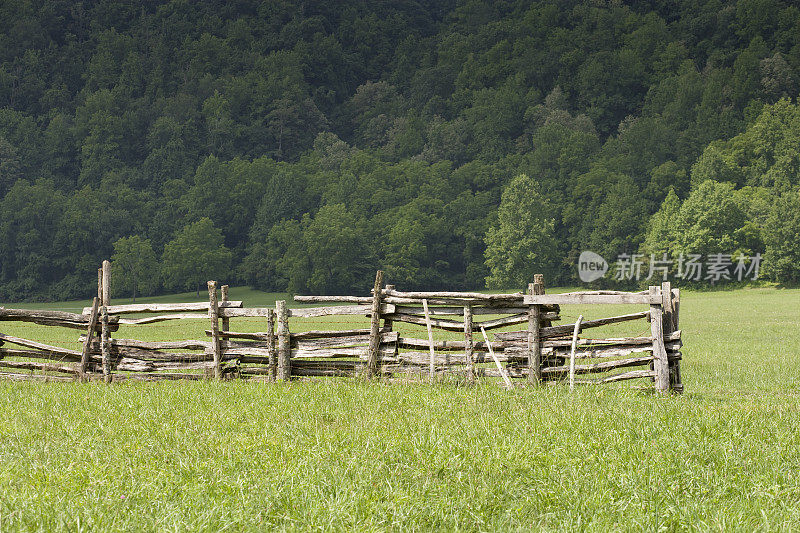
{"points": [[347, 455]]}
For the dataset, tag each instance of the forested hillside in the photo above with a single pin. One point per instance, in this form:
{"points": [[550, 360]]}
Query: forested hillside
{"points": [[302, 145]]}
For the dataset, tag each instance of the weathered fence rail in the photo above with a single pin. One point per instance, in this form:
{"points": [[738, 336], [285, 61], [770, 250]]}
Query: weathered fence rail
{"points": [[391, 345]]}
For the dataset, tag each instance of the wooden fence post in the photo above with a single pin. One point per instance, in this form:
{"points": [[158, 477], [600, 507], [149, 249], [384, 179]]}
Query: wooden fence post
{"points": [[676, 309], [87, 342], [534, 333], [100, 284], [469, 344], [273, 359], [213, 311], [106, 283], [669, 304], [432, 365], [226, 322], [660, 362], [387, 322], [373, 355], [284, 342], [105, 348]]}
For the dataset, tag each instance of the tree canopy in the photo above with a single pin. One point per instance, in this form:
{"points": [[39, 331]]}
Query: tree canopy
{"points": [[323, 140]]}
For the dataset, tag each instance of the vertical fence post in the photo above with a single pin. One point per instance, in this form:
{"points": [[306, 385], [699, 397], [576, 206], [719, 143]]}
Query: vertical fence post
{"points": [[534, 333], [468, 344], [106, 282], [104, 276], [226, 322], [373, 355], [100, 284], [105, 348], [660, 363], [432, 366], [387, 322], [669, 325], [213, 311], [675, 373], [273, 359], [284, 342]]}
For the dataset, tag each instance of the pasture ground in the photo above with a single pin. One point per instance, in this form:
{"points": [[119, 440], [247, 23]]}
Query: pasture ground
{"points": [[347, 455]]}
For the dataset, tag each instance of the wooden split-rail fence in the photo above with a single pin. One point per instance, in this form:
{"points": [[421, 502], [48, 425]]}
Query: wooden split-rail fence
{"points": [[393, 346]]}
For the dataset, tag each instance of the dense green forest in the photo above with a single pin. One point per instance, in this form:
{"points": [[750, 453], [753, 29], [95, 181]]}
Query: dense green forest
{"points": [[301, 145]]}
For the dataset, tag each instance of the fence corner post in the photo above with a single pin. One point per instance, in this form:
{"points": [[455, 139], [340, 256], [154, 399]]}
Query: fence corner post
{"points": [[660, 362], [213, 312], [670, 324], [284, 342], [534, 332], [373, 355]]}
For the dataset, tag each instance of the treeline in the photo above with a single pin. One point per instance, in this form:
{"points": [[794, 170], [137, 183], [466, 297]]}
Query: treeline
{"points": [[306, 144]]}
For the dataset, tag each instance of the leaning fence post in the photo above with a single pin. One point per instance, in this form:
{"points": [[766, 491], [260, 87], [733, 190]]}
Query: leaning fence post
{"points": [[87, 342], [534, 332], [500, 368], [284, 342], [660, 363], [469, 344], [213, 311], [373, 354], [574, 345]]}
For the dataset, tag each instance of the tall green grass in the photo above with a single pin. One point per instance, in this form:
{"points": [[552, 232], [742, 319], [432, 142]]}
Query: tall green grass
{"points": [[347, 455]]}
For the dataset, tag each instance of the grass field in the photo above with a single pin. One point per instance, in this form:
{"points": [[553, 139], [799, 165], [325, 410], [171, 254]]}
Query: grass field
{"points": [[342, 455]]}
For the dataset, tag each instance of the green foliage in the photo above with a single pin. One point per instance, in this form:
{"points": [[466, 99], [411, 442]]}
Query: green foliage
{"points": [[660, 237], [338, 251], [711, 220], [781, 230], [196, 254], [134, 266], [413, 116], [10, 170], [767, 154], [29, 220], [521, 243]]}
